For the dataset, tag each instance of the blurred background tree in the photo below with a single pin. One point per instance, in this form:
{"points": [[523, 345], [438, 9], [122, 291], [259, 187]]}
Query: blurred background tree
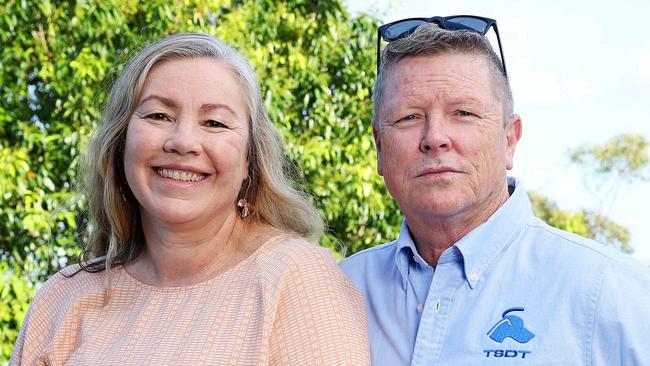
{"points": [[316, 66], [623, 159]]}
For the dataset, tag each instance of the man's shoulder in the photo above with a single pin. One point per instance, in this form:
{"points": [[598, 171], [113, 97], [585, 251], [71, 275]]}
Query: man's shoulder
{"points": [[374, 254], [371, 264], [581, 249]]}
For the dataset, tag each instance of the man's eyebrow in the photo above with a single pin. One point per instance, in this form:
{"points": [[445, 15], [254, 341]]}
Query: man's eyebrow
{"points": [[465, 99]]}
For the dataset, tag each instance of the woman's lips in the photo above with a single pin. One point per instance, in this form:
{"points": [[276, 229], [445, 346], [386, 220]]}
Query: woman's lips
{"points": [[180, 173]]}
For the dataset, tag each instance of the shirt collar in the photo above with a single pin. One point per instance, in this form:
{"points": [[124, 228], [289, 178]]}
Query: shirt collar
{"points": [[481, 246], [405, 252]]}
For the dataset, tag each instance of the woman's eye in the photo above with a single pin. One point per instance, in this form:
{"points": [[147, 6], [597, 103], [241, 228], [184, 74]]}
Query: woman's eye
{"points": [[158, 117], [213, 124]]}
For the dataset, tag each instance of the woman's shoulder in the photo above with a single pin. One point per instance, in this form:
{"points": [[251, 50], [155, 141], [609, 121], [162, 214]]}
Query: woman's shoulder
{"points": [[292, 250], [73, 275], [61, 290], [291, 258], [68, 282]]}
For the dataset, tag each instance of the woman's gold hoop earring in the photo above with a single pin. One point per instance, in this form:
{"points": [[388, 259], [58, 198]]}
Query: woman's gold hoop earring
{"points": [[245, 208]]}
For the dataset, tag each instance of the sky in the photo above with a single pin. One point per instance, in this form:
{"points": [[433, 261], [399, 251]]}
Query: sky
{"points": [[580, 74]]}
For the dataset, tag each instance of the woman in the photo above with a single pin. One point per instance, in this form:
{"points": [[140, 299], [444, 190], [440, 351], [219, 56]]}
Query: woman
{"points": [[196, 253]]}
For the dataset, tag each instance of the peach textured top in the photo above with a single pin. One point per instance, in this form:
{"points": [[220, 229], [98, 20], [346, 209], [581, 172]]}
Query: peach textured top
{"points": [[286, 304]]}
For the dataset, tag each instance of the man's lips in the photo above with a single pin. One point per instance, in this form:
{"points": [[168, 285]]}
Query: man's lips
{"points": [[436, 171]]}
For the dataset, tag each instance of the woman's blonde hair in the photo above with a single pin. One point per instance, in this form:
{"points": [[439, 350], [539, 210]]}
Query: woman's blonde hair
{"points": [[115, 228]]}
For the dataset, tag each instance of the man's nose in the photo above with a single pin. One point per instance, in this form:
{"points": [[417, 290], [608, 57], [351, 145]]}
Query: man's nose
{"points": [[183, 138], [435, 135]]}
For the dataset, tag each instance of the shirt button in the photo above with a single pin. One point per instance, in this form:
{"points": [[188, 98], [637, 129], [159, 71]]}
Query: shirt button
{"points": [[473, 277], [437, 305], [420, 308]]}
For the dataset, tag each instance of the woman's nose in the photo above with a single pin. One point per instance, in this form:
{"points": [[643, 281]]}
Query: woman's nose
{"points": [[183, 139]]}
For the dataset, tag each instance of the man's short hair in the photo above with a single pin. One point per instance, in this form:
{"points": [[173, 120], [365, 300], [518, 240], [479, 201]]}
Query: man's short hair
{"points": [[430, 40]]}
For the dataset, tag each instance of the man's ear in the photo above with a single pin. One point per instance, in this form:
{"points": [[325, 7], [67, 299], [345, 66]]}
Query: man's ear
{"points": [[375, 135], [513, 134]]}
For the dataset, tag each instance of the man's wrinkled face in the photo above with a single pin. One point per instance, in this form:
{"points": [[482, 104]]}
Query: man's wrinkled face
{"points": [[442, 145]]}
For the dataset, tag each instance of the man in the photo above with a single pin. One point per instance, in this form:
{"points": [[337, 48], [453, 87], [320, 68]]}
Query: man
{"points": [[474, 278]]}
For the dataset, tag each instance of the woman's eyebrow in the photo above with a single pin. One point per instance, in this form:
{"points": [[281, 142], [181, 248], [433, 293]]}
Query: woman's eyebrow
{"points": [[166, 101], [212, 106]]}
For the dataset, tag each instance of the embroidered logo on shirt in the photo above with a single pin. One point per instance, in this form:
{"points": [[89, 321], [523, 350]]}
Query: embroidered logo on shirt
{"points": [[510, 326]]}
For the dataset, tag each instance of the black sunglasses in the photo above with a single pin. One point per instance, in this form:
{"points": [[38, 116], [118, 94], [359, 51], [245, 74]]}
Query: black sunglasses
{"points": [[405, 27]]}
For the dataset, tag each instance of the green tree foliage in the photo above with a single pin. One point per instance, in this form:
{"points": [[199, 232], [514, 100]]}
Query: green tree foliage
{"points": [[316, 66], [16, 291], [625, 157]]}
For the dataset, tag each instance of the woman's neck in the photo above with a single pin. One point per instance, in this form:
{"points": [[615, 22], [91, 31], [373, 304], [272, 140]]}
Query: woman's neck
{"points": [[176, 257]]}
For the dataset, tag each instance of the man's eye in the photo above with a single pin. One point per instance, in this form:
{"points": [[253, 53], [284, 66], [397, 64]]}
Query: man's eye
{"points": [[214, 124], [410, 117], [464, 113], [158, 117]]}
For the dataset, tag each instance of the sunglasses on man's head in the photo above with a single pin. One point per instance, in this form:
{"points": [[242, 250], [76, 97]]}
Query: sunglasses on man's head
{"points": [[405, 27]]}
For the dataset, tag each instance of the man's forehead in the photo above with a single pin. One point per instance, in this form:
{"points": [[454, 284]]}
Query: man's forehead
{"points": [[457, 76], [452, 72], [471, 66]]}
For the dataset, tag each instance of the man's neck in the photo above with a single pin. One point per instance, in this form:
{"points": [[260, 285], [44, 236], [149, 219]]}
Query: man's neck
{"points": [[433, 234]]}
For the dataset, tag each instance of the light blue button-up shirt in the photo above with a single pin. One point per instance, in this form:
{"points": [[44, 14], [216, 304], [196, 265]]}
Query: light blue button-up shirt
{"points": [[512, 291]]}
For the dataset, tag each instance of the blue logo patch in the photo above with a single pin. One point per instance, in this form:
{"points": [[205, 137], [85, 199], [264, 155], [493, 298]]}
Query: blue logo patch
{"points": [[510, 326]]}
